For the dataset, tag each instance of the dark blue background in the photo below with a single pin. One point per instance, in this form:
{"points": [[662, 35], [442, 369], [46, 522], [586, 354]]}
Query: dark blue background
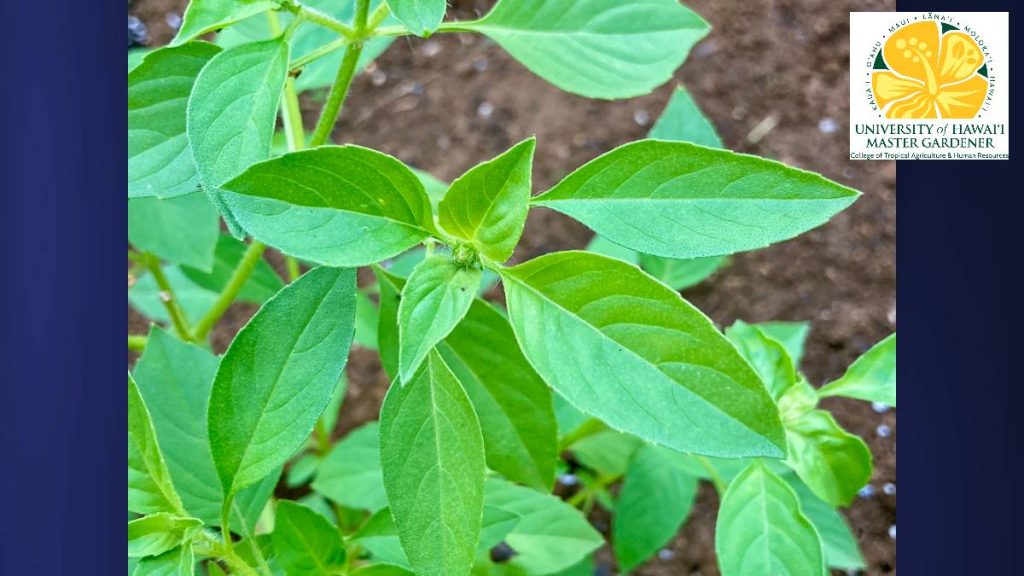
{"points": [[62, 410]]}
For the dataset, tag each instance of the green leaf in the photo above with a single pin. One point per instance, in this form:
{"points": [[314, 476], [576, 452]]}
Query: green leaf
{"points": [[656, 497], [797, 400], [512, 402], [177, 562], [329, 418], [680, 274], [487, 205], [381, 570], [601, 245], [183, 229], [436, 296], [379, 536], [608, 452], [367, 319], [761, 530], [595, 48], [350, 474], [335, 205], [832, 462], [204, 16], [305, 543], [683, 121], [309, 37], [278, 375], [150, 489], [175, 378], [157, 533], [136, 56], [421, 17], [680, 200], [435, 187], [792, 336], [841, 549], [387, 328], [159, 160], [195, 300], [232, 112], [432, 456], [550, 536], [872, 377], [261, 285], [628, 350], [768, 357]]}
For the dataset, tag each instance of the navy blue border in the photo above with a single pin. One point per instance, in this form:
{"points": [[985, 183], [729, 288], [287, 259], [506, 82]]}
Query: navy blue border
{"points": [[959, 254], [63, 320]]}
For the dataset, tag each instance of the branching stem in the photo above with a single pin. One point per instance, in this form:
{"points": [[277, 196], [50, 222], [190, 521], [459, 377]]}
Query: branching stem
{"points": [[227, 296]]}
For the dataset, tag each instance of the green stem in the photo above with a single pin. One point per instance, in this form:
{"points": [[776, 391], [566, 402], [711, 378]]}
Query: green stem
{"points": [[293, 268], [716, 478], [378, 16], [589, 428], [137, 342], [329, 115], [227, 296], [391, 31], [318, 17], [303, 61], [225, 525], [588, 491], [323, 438], [168, 297]]}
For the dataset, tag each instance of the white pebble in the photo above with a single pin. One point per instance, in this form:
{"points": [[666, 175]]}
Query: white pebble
{"points": [[641, 117], [889, 488], [378, 77], [431, 48], [883, 430], [568, 480], [892, 531], [880, 407], [867, 491], [480, 64], [666, 554], [485, 110], [173, 19], [828, 125]]}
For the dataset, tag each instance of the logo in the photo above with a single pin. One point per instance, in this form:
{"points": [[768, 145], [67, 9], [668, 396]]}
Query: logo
{"points": [[928, 86]]}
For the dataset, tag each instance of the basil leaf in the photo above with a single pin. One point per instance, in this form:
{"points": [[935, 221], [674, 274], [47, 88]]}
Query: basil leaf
{"points": [[204, 16], [432, 456], [768, 357], [872, 377], [832, 462], [656, 497], [608, 452], [550, 536], [335, 205], [680, 200], [601, 245], [381, 570], [421, 17], [159, 160], [512, 402], [177, 562], [387, 328], [628, 350], [305, 543], [367, 318], [175, 378], [183, 229], [434, 299], [150, 489], [682, 120], [350, 474], [761, 530], [157, 533], [232, 112], [261, 285], [792, 336], [680, 274], [487, 205], [278, 375], [841, 549], [595, 48]]}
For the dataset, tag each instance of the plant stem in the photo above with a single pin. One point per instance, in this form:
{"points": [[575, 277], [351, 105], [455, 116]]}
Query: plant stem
{"points": [[329, 115], [303, 61], [318, 17], [293, 268], [167, 297], [716, 478], [137, 342], [589, 428], [220, 306], [323, 438], [225, 525], [588, 491]]}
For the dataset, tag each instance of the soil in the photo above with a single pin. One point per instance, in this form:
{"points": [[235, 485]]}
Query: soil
{"points": [[447, 103]]}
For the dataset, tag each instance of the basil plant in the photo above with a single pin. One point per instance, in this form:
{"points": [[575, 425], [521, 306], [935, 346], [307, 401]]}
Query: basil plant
{"points": [[597, 372]]}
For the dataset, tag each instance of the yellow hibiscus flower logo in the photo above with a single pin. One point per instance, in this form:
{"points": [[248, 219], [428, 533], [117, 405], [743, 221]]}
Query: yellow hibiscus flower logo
{"points": [[930, 74]]}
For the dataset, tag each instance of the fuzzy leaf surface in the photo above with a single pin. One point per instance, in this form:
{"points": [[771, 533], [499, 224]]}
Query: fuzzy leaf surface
{"points": [[150, 488], [306, 543], [680, 200], [628, 350], [350, 474], [872, 377], [421, 17], [204, 16], [832, 462], [183, 229]]}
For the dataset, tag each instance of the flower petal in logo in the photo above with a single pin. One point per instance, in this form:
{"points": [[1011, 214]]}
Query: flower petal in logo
{"points": [[930, 74]]}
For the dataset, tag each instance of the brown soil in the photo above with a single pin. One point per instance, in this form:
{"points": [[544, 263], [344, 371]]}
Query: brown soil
{"points": [[427, 102]]}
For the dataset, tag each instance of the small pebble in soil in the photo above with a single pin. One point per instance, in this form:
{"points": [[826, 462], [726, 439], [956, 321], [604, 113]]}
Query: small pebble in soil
{"points": [[883, 430], [416, 88], [892, 531], [828, 126], [137, 31], [889, 488], [431, 48], [378, 77], [739, 113], [480, 64], [704, 49], [641, 117], [568, 480], [891, 316], [867, 491], [173, 19], [880, 407], [444, 142], [666, 554], [485, 110]]}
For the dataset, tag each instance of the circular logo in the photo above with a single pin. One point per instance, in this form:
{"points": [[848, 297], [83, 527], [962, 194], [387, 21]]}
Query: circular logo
{"points": [[930, 69]]}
